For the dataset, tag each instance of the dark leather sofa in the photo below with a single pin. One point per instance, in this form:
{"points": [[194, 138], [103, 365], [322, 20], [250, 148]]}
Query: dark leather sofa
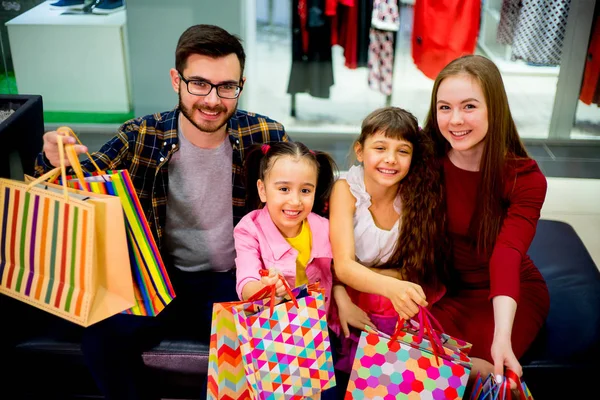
{"points": [[562, 364]]}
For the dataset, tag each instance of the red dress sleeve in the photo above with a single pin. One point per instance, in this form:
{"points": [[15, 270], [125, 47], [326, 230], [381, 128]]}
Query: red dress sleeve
{"points": [[526, 194]]}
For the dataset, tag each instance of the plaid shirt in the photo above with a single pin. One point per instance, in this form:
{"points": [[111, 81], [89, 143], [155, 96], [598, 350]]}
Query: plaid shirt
{"points": [[145, 145]]}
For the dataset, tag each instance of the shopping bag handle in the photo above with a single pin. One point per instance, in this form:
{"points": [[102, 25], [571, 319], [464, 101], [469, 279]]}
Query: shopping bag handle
{"points": [[74, 158], [315, 287], [52, 174], [425, 319], [271, 291], [69, 132], [512, 375], [71, 154], [423, 315]]}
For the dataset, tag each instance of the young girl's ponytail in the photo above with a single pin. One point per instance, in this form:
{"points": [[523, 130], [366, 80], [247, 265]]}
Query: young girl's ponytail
{"points": [[254, 158], [260, 158], [328, 171]]}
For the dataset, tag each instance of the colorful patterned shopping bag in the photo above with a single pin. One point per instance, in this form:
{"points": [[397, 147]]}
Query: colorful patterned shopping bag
{"points": [[62, 251], [153, 289], [483, 389], [285, 348], [416, 362], [226, 376], [231, 374]]}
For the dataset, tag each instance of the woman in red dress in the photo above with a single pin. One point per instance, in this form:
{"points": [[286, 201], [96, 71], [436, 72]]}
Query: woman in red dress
{"points": [[494, 192]]}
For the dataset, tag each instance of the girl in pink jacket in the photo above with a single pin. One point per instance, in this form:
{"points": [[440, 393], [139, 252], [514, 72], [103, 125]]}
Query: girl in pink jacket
{"points": [[285, 182]]}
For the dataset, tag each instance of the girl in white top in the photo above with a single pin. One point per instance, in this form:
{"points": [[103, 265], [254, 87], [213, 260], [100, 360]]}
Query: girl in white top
{"points": [[387, 224], [374, 245]]}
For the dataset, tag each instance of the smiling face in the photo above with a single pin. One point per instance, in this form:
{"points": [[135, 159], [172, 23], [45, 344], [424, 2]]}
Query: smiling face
{"points": [[288, 189], [386, 161], [462, 114], [209, 113]]}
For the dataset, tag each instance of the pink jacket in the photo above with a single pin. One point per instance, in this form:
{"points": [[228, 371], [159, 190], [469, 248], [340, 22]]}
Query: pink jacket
{"points": [[260, 245]]}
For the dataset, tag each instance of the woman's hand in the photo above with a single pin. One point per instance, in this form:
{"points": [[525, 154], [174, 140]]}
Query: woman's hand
{"points": [[505, 308], [349, 313], [274, 278], [503, 356], [406, 297]]}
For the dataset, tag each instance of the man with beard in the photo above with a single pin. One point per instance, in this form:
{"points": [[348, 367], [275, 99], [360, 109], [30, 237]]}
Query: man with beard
{"points": [[181, 163]]}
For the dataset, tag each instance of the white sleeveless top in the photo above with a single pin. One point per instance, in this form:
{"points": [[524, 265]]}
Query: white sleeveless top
{"points": [[372, 244]]}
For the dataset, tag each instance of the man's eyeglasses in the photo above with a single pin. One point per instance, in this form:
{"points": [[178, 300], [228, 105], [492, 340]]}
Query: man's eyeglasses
{"points": [[203, 88]]}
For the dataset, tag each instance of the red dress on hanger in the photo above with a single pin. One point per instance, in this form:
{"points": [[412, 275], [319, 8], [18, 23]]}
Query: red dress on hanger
{"points": [[591, 76], [442, 31]]}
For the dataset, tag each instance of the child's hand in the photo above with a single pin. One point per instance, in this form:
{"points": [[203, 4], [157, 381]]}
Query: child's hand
{"points": [[349, 313], [274, 278], [406, 297]]}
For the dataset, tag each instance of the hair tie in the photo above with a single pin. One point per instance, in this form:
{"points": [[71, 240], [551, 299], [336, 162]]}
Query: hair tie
{"points": [[265, 148], [312, 152]]}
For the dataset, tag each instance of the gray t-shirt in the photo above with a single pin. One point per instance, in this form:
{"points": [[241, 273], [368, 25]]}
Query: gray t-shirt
{"points": [[199, 227]]}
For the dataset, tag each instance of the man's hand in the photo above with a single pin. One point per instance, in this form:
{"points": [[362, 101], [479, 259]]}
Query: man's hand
{"points": [[51, 147]]}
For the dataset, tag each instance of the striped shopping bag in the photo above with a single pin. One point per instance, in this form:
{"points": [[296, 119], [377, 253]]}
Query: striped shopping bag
{"points": [[152, 286], [489, 389], [63, 252]]}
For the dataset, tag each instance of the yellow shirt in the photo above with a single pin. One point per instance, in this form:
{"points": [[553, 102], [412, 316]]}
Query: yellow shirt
{"points": [[302, 243]]}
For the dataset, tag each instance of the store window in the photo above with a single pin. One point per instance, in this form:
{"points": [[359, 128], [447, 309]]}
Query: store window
{"points": [[315, 71], [318, 66]]}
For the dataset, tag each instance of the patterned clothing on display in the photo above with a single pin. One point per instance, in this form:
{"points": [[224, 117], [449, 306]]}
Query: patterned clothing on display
{"points": [[386, 15], [535, 29], [381, 61], [385, 21], [509, 16]]}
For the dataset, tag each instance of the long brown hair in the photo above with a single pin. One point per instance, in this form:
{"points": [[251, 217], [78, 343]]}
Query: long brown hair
{"points": [[501, 143], [261, 158], [422, 249]]}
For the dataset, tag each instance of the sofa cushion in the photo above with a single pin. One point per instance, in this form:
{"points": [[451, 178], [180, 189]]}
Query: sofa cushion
{"points": [[572, 328]]}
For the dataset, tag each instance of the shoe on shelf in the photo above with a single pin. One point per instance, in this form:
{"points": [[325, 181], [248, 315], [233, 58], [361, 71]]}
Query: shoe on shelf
{"points": [[67, 4], [109, 6]]}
